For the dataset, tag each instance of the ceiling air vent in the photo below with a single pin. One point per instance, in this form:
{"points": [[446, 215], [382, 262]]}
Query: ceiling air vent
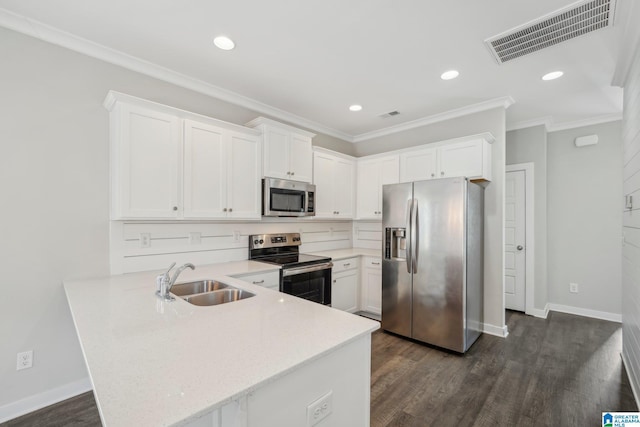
{"points": [[389, 114], [562, 25]]}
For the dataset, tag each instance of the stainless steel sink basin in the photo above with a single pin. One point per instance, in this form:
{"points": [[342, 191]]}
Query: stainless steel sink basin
{"points": [[199, 287], [218, 297]]}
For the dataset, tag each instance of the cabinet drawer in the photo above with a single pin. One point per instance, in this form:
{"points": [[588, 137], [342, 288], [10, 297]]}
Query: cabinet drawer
{"points": [[372, 262], [345, 264], [268, 279]]}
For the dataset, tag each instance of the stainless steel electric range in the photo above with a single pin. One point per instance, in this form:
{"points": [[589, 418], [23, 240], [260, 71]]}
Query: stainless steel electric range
{"points": [[302, 275]]}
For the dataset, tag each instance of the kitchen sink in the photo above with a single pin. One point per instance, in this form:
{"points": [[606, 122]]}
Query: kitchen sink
{"points": [[199, 287], [218, 297]]}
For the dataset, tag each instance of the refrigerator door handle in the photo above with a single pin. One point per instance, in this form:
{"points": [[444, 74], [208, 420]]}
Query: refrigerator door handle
{"points": [[408, 258], [414, 236]]}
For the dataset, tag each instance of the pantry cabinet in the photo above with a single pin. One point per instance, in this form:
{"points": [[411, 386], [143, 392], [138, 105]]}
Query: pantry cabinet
{"points": [[372, 175], [168, 163], [287, 150], [334, 178]]}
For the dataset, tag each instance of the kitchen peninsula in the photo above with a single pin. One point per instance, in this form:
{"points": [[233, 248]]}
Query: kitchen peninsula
{"points": [[268, 360]]}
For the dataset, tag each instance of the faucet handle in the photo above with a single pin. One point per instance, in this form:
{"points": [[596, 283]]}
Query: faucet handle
{"points": [[173, 264]]}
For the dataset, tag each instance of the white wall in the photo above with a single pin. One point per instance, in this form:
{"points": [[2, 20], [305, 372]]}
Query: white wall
{"points": [[631, 227], [524, 146], [584, 192], [492, 121], [54, 222]]}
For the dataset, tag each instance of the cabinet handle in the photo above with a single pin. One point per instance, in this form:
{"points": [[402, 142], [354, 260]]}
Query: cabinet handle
{"points": [[288, 173], [258, 282], [347, 264], [338, 212], [230, 209], [375, 263], [293, 173], [442, 173], [334, 280], [175, 208], [432, 175], [224, 210]]}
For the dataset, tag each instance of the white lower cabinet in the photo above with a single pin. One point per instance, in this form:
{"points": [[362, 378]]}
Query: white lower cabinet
{"points": [[344, 286], [266, 279], [372, 285]]}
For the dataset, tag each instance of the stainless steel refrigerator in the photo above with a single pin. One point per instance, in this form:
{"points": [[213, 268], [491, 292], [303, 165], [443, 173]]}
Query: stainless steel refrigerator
{"points": [[432, 267]]}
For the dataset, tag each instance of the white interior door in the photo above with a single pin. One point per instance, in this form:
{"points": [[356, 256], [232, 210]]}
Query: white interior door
{"points": [[515, 244]]}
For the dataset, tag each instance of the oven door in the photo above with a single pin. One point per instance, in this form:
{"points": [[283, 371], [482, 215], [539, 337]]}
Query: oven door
{"points": [[312, 282]]}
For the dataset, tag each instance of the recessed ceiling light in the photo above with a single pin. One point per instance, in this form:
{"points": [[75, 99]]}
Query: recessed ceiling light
{"points": [[224, 43], [355, 107], [552, 75], [448, 75]]}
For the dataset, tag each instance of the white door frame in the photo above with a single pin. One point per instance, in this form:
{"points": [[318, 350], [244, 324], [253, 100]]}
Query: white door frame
{"points": [[529, 279]]}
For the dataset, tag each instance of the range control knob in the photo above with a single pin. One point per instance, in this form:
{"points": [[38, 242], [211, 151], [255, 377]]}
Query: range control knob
{"points": [[261, 241], [255, 242]]}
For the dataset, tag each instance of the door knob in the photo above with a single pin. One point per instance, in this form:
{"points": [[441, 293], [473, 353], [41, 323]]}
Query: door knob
{"points": [[519, 247]]}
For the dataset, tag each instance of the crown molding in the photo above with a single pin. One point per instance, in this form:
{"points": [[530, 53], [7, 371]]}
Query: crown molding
{"points": [[504, 102], [58, 37], [627, 15], [542, 121], [584, 122]]}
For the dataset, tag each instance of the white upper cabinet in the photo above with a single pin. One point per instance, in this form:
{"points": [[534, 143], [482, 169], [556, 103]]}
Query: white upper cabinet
{"points": [[334, 178], [418, 165], [372, 175], [169, 163], [146, 163], [221, 178], [471, 158], [287, 150]]}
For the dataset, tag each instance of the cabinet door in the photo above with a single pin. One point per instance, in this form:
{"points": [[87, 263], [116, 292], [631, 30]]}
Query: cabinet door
{"points": [[368, 190], [300, 158], [372, 290], [244, 190], [323, 166], [343, 187], [276, 153], [148, 155], [344, 291], [461, 159], [418, 165], [205, 171]]}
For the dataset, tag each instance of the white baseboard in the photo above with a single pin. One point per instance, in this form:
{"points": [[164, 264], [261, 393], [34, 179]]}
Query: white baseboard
{"points": [[33, 403], [604, 315], [538, 312], [498, 331], [633, 379]]}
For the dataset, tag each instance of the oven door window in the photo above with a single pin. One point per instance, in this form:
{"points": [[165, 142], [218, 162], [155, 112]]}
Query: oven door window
{"points": [[287, 200], [314, 286]]}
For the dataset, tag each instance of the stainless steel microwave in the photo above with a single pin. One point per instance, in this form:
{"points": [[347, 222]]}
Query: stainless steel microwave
{"points": [[282, 197]]}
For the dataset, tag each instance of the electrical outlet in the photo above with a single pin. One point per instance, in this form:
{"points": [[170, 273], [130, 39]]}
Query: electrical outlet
{"points": [[573, 288], [145, 240], [195, 238], [25, 360], [236, 236], [320, 409]]}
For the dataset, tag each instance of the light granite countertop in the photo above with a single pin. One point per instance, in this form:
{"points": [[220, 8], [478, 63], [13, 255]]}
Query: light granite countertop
{"points": [[163, 363]]}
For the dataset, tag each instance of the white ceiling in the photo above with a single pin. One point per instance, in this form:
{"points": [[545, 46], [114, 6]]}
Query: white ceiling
{"points": [[315, 58]]}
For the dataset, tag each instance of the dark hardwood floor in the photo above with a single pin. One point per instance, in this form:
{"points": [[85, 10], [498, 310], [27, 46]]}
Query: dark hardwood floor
{"points": [[562, 371]]}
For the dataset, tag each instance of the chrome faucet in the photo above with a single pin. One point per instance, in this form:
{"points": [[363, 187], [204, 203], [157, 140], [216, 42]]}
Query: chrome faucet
{"points": [[165, 282]]}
